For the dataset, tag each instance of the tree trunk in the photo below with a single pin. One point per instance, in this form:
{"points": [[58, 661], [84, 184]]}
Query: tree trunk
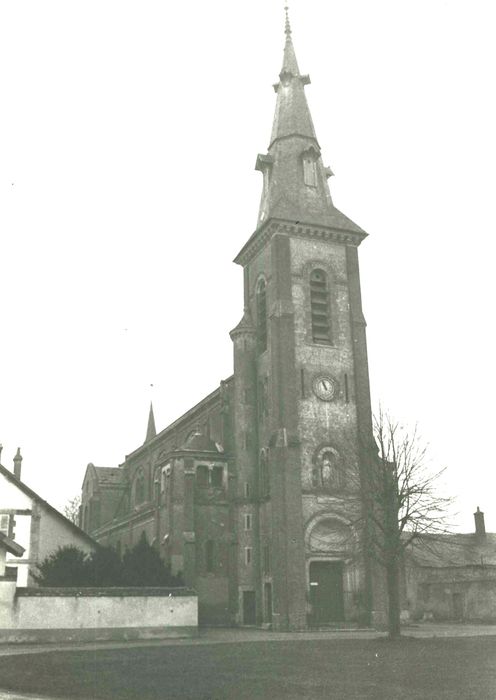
{"points": [[393, 592]]}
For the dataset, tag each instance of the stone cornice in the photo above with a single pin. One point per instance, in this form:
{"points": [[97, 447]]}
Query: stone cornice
{"points": [[301, 230]]}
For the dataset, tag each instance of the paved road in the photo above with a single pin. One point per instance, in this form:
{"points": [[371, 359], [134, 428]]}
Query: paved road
{"points": [[240, 635]]}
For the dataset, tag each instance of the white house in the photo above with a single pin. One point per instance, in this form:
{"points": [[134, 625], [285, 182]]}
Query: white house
{"points": [[34, 524]]}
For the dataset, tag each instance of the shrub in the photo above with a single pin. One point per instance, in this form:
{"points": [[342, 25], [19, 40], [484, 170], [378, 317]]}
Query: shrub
{"points": [[71, 567]]}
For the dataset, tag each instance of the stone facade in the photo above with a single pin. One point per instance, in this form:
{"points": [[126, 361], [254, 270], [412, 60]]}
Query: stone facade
{"points": [[254, 494]]}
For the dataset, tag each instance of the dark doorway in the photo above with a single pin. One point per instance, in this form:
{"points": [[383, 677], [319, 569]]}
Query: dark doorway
{"points": [[249, 608], [326, 591], [268, 601]]}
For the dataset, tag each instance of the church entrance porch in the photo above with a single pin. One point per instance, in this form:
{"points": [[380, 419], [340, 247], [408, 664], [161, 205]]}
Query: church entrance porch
{"points": [[326, 592]]}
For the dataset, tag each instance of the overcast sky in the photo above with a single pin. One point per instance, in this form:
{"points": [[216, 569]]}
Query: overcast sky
{"points": [[128, 138]]}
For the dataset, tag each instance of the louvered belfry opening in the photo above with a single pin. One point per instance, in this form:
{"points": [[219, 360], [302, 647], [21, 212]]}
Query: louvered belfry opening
{"points": [[261, 316], [319, 303]]}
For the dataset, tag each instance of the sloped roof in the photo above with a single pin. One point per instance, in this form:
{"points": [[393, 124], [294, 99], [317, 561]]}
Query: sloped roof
{"points": [[112, 476], [198, 442], [454, 550], [32, 494]]}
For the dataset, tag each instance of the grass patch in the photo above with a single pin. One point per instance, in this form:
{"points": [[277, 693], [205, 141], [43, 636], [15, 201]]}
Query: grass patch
{"points": [[342, 669]]}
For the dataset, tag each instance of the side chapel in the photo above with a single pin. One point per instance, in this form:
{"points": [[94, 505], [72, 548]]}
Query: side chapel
{"points": [[254, 493]]}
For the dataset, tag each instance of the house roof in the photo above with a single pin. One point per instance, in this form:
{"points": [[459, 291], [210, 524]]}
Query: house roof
{"points": [[446, 550], [32, 494], [10, 546]]}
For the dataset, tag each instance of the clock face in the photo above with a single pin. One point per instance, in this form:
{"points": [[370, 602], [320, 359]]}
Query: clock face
{"points": [[324, 387]]}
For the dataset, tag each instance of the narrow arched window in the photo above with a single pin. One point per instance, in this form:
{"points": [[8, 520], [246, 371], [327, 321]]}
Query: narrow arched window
{"points": [[139, 493], [209, 556], [319, 307], [264, 477], [261, 315]]}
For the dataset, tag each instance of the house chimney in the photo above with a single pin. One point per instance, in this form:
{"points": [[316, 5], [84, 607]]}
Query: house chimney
{"points": [[18, 464], [480, 527]]}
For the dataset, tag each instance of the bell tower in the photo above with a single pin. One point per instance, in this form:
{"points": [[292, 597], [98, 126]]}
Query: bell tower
{"points": [[302, 416]]}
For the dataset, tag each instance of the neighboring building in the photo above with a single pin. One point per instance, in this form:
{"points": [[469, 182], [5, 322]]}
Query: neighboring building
{"points": [[37, 527], [253, 493], [453, 576]]}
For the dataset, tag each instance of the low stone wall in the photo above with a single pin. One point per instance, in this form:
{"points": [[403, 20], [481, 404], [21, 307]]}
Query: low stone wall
{"points": [[94, 614]]}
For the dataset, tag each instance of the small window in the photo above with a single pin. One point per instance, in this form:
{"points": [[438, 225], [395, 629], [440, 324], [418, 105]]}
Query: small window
{"points": [[202, 476], [217, 477], [247, 439], [248, 521], [4, 524], [266, 559], [319, 307], [264, 478], [261, 302], [247, 490], [309, 171], [247, 556], [209, 556]]}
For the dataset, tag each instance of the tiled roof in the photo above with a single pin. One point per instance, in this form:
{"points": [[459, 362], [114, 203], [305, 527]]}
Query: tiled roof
{"points": [[454, 550], [109, 475]]}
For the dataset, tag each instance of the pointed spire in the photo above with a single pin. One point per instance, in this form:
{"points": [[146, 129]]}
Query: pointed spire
{"points": [[289, 63], [295, 178], [150, 431]]}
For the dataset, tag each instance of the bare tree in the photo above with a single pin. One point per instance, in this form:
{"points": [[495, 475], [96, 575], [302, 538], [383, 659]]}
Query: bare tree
{"points": [[402, 503], [71, 509]]}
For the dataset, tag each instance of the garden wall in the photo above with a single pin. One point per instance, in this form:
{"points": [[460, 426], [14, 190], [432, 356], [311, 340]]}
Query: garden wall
{"points": [[93, 614]]}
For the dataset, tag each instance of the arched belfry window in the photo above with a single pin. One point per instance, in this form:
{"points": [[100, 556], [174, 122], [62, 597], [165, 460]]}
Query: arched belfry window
{"points": [[261, 296], [319, 306]]}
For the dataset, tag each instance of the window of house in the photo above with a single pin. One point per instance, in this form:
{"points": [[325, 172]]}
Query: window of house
{"points": [[202, 476], [217, 477], [4, 524], [209, 556], [247, 556], [248, 521], [261, 303], [319, 307], [247, 489]]}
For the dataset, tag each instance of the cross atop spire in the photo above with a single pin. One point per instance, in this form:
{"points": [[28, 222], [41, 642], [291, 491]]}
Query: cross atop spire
{"points": [[289, 64], [287, 29]]}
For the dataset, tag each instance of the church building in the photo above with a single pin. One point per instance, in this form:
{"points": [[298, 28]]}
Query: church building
{"points": [[255, 493]]}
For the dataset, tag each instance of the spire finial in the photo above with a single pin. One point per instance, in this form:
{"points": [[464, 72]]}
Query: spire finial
{"points": [[287, 29], [150, 430]]}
